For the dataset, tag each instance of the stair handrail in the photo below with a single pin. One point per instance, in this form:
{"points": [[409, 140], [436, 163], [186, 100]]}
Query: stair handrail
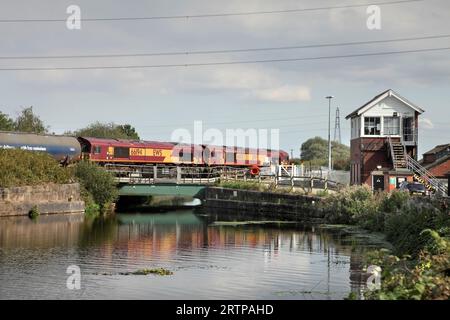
{"points": [[420, 167], [415, 166]]}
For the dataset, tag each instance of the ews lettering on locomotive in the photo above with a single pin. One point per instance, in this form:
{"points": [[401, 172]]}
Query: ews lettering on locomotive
{"points": [[146, 152]]}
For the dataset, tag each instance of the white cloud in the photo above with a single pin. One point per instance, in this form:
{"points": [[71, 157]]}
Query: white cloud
{"points": [[285, 93], [426, 123]]}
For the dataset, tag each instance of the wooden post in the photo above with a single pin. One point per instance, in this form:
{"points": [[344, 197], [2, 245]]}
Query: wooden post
{"points": [[277, 176], [178, 174]]}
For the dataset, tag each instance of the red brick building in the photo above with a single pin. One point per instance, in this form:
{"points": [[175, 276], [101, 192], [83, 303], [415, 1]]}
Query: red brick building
{"points": [[384, 131], [437, 161]]}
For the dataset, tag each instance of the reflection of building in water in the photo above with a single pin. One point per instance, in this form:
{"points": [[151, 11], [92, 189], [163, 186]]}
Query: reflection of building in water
{"points": [[134, 239], [166, 240]]}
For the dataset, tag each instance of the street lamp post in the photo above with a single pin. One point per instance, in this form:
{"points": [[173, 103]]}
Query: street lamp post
{"points": [[329, 133]]}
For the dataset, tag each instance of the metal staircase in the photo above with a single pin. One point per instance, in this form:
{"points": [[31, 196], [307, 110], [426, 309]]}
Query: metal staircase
{"points": [[398, 154], [401, 160]]}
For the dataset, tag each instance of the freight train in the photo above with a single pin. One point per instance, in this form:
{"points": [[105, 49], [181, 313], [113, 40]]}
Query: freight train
{"points": [[108, 151]]}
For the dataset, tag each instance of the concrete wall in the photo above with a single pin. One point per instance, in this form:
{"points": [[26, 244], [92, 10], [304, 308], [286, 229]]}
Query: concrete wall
{"points": [[261, 204], [51, 198]]}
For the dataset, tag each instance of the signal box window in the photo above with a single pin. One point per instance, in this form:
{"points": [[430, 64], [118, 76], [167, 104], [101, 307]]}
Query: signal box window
{"points": [[372, 126], [392, 125]]}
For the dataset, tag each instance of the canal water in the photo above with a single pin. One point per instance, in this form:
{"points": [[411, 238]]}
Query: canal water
{"points": [[209, 258]]}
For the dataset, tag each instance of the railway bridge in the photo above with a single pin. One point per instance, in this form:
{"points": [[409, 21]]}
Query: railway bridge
{"points": [[145, 180]]}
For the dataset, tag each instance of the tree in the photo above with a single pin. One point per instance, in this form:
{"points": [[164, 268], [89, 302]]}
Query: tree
{"points": [[129, 131], [108, 131], [27, 121], [6, 123], [316, 151]]}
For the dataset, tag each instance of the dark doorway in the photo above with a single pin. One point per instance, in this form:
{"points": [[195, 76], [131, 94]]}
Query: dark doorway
{"points": [[408, 129], [378, 183]]}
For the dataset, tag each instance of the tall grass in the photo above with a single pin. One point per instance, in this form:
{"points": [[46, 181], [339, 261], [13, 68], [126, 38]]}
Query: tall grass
{"points": [[419, 230], [25, 168], [398, 215]]}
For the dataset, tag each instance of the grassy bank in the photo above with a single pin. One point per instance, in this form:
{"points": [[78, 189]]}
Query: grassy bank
{"points": [[24, 168], [419, 230]]}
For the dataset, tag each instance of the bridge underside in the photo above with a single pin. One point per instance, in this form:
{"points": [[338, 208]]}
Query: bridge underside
{"points": [[195, 191]]}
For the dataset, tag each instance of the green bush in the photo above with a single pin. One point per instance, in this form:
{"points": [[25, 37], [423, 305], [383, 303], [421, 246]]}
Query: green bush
{"points": [[394, 201], [423, 278], [349, 206], [97, 184], [404, 227], [25, 168], [34, 212], [418, 229], [385, 204]]}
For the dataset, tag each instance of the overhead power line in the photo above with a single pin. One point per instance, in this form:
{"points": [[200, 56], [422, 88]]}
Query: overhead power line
{"points": [[201, 52], [213, 15], [208, 123], [368, 54]]}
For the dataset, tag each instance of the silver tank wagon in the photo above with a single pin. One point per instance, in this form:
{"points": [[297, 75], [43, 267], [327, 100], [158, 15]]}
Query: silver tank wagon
{"points": [[62, 148]]}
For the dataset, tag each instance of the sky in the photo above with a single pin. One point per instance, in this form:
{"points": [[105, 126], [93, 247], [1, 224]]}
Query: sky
{"points": [[289, 95]]}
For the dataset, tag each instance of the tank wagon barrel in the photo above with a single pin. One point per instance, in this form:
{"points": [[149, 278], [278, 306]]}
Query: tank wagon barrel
{"points": [[62, 148]]}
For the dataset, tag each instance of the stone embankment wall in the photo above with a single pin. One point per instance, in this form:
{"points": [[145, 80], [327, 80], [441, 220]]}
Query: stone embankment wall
{"points": [[51, 198], [262, 204]]}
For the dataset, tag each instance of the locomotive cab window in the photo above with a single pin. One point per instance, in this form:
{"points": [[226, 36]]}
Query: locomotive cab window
{"points": [[121, 152], [231, 157], [97, 149]]}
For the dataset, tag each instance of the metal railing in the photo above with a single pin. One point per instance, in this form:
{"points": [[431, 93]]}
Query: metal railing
{"points": [[418, 169], [282, 176], [426, 175]]}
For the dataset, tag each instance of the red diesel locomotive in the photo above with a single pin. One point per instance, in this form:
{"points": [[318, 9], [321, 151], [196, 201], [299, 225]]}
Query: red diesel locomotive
{"points": [[104, 151]]}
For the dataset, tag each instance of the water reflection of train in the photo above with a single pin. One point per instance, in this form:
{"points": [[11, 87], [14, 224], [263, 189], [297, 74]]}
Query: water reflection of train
{"points": [[105, 151]]}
